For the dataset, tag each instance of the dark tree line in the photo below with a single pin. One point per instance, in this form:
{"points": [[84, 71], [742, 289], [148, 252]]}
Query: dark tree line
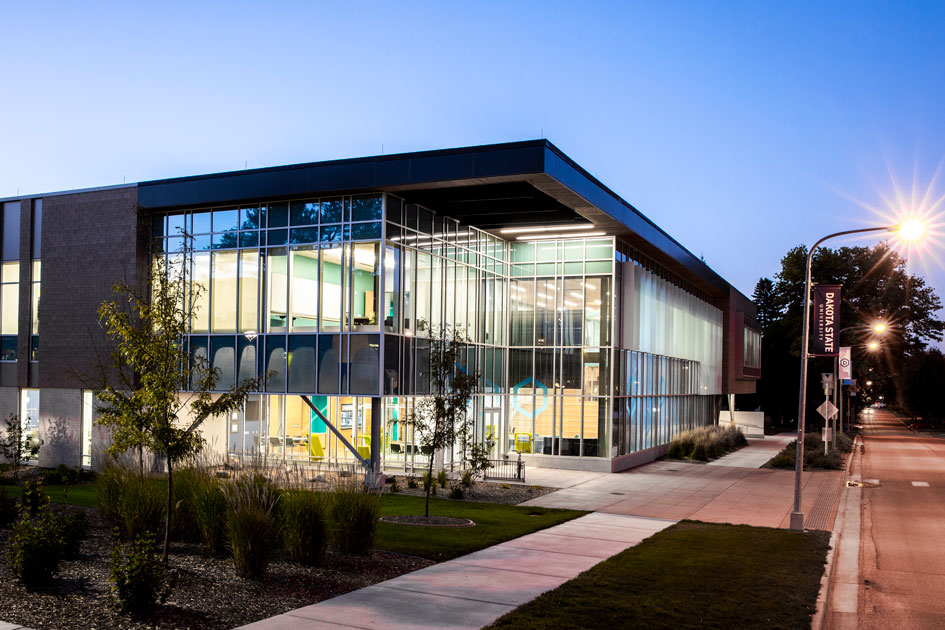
{"points": [[876, 287]]}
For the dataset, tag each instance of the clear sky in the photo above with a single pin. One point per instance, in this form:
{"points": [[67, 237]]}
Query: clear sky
{"points": [[742, 129]]}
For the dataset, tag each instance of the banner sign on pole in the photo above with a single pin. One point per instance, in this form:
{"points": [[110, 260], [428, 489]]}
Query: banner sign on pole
{"points": [[826, 319], [846, 365]]}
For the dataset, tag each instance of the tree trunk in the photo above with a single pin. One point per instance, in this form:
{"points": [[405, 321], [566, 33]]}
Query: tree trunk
{"points": [[426, 509], [141, 460], [170, 508]]}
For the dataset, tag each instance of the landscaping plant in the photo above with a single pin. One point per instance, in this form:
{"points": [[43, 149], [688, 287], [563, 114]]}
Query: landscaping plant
{"points": [[36, 547], [138, 576], [7, 508], [131, 500], [17, 446], [302, 523], [251, 523], [33, 499], [354, 513], [143, 407]]}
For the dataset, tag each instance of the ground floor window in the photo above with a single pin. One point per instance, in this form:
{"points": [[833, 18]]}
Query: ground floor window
{"points": [[29, 416]]}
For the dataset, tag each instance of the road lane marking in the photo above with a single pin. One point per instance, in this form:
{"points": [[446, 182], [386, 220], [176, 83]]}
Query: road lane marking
{"points": [[920, 484]]}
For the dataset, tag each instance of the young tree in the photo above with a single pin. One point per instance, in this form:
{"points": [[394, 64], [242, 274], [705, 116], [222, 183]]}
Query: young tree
{"points": [[441, 419], [16, 445], [147, 407]]}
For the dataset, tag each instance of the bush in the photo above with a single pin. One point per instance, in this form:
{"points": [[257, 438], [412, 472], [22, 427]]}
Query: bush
{"points": [[137, 577], [814, 457], [7, 508], [33, 499], [429, 482], [354, 514], [468, 478], [251, 523], [36, 547], [302, 522], [441, 479], [456, 491], [63, 475], [132, 501], [412, 483], [74, 527], [394, 486]]}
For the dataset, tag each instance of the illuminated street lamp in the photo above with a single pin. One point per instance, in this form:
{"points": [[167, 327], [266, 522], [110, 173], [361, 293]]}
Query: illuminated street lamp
{"points": [[909, 230], [873, 345]]}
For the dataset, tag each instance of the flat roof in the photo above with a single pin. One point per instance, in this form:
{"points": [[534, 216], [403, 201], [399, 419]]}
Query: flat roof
{"points": [[487, 186]]}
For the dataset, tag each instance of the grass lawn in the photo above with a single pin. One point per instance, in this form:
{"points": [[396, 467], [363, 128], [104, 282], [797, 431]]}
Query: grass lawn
{"points": [[495, 523], [85, 495], [691, 575]]}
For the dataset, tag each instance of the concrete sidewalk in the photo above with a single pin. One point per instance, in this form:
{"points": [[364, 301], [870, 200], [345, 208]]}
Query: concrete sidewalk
{"points": [[718, 493], [474, 590]]}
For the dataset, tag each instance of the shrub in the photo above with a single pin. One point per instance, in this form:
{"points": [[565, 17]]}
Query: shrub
{"points": [[62, 475], [429, 483], [7, 508], [74, 526], [33, 499], [354, 514], [251, 523], [412, 482], [394, 486], [705, 443], [36, 547], [302, 517], [137, 577], [456, 491], [813, 453], [441, 479], [468, 478]]}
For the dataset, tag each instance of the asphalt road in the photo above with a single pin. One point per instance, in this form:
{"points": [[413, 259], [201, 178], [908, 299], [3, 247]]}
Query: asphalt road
{"points": [[902, 535]]}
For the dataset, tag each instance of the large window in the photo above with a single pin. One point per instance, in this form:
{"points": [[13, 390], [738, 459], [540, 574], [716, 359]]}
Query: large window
{"points": [[9, 309], [752, 350]]}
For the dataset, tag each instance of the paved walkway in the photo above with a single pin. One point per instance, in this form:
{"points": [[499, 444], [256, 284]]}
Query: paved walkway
{"points": [[474, 590], [720, 492]]}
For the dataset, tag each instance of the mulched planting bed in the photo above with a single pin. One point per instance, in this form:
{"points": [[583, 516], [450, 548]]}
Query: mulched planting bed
{"points": [[208, 594], [429, 521], [481, 492]]}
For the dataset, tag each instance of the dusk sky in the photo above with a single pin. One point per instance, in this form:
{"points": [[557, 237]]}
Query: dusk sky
{"points": [[742, 129]]}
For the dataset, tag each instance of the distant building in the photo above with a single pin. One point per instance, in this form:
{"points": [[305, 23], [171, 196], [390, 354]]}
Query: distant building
{"points": [[597, 336]]}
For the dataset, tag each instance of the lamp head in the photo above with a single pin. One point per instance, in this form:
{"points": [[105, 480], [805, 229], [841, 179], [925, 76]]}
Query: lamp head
{"points": [[880, 327], [911, 230], [873, 345]]}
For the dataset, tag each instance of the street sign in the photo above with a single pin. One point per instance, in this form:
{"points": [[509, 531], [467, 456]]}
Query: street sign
{"points": [[826, 380], [828, 410], [846, 364], [827, 434]]}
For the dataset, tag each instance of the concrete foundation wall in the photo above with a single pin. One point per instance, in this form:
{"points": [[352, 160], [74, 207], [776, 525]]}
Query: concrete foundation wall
{"points": [[752, 423], [591, 464]]}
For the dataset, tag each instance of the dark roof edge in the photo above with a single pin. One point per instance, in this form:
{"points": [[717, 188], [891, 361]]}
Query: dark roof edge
{"points": [[353, 160]]}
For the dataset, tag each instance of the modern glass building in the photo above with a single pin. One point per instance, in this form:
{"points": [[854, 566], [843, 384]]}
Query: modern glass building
{"points": [[596, 336]]}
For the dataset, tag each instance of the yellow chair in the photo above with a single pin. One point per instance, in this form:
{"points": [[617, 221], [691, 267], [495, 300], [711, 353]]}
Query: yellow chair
{"points": [[523, 442], [364, 451], [315, 451]]}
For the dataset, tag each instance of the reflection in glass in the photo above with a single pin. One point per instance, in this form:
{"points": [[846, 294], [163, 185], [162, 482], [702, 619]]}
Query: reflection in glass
{"points": [[365, 280], [278, 290], [249, 291], [200, 292], [332, 274], [223, 291], [304, 289]]}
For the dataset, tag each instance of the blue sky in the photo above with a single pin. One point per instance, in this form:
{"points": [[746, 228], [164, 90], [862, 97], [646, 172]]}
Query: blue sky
{"points": [[740, 128]]}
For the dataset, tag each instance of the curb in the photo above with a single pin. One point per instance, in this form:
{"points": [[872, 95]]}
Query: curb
{"points": [[826, 580]]}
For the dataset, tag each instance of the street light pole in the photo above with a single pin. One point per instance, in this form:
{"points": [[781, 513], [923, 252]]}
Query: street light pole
{"points": [[797, 517]]}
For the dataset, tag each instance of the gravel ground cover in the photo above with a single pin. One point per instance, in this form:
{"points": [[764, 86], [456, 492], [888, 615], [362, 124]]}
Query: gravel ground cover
{"points": [[207, 594]]}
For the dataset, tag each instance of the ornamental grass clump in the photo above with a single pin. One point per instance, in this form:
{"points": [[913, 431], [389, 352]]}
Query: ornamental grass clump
{"points": [[251, 523], [354, 513], [132, 501], [303, 525], [706, 443]]}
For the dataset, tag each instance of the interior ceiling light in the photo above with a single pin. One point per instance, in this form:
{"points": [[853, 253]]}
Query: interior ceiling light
{"points": [[535, 237], [547, 228]]}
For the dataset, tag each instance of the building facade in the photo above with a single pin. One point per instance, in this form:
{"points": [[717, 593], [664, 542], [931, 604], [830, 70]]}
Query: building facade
{"points": [[595, 335]]}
